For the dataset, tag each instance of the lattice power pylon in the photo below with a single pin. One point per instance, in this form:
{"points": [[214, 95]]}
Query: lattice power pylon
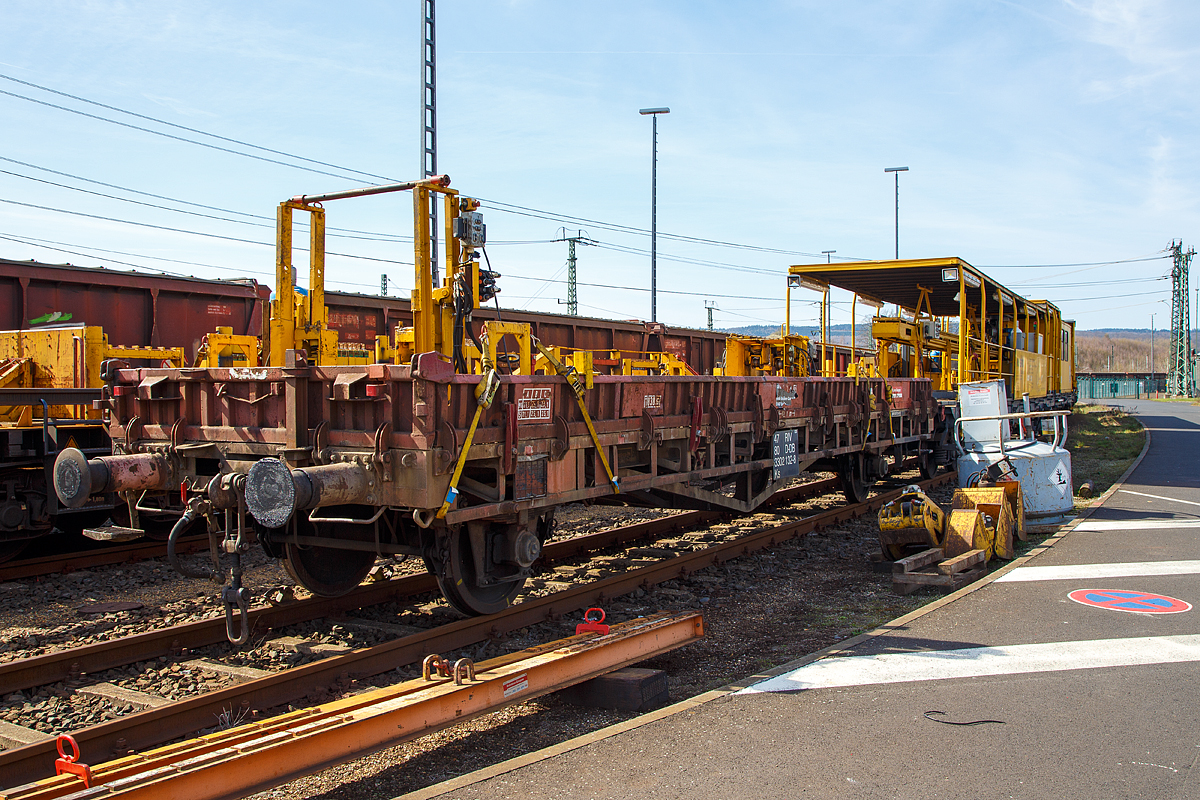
{"points": [[580, 237], [1181, 379], [429, 121]]}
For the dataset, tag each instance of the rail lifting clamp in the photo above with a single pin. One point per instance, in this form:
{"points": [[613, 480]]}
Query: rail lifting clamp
{"points": [[980, 525]]}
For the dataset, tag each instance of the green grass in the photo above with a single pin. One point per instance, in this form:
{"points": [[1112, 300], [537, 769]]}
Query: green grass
{"points": [[1103, 442]]}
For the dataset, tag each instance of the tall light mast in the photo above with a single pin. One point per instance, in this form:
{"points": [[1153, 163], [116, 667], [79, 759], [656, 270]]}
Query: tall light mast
{"points": [[429, 121]]}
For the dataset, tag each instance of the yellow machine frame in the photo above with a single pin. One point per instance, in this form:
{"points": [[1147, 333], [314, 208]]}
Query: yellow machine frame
{"points": [[954, 324], [68, 357], [783, 356]]}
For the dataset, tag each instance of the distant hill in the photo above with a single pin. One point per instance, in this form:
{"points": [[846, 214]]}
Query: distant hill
{"points": [[837, 333], [1123, 349]]}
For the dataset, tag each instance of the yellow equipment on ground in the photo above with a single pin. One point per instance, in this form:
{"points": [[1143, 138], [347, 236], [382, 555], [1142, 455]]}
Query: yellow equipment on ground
{"points": [[981, 518]]}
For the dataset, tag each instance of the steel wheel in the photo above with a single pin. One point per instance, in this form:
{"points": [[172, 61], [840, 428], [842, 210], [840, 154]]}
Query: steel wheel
{"points": [[326, 571], [927, 465], [456, 577], [10, 550], [855, 485]]}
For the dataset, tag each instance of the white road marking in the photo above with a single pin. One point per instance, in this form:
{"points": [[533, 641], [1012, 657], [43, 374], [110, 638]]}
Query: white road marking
{"points": [[1098, 525], [1176, 430], [1159, 497], [1089, 571], [972, 662]]}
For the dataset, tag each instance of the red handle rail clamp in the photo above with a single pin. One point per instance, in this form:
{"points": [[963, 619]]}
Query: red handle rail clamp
{"points": [[590, 625], [70, 763]]}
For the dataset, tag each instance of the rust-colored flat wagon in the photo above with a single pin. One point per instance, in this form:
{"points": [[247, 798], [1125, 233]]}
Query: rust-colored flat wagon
{"points": [[454, 451]]}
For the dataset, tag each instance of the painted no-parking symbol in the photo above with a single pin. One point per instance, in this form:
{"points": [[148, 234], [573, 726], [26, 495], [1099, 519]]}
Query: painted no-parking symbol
{"points": [[1126, 600]]}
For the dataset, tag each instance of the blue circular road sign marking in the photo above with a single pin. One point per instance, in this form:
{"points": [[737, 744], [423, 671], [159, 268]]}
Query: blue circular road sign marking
{"points": [[1130, 600]]}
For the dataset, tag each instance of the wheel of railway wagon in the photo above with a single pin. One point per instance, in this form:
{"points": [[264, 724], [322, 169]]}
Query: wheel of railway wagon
{"points": [[855, 485], [326, 571], [456, 577], [10, 550], [157, 527], [926, 464]]}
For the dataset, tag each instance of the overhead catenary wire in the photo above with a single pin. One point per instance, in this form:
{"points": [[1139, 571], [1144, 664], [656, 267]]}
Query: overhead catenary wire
{"points": [[640, 288], [1080, 264], [498, 205], [353, 174], [183, 128], [330, 230], [190, 232], [64, 248], [1110, 296]]}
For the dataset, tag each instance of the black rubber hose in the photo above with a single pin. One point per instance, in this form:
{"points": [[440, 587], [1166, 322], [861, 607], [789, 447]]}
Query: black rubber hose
{"points": [[173, 559]]}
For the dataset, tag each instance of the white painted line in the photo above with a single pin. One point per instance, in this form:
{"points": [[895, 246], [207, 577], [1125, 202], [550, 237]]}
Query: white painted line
{"points": [[1088, 571], [1174, 430], [1159, 497], [973, 662], [1097, 525]]}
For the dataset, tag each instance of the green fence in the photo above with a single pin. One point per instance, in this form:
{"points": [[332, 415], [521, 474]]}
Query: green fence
{"points": [[1100, 388]]}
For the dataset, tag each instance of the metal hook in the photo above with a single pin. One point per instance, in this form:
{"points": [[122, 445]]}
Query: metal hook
{"points": [[434, 664], [237, 595], [464, 666]]}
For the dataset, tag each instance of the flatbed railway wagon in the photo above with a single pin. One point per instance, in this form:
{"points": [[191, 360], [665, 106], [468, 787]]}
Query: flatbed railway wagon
{"points": [[444, 456], [61, 326]]}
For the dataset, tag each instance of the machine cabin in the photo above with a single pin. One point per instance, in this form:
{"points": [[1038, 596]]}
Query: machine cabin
{"points": [[951, 323]]}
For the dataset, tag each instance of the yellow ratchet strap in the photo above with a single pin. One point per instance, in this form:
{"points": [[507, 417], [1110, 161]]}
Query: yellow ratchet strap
{"points": [[452, 493], [484, 393], [576, 385]]}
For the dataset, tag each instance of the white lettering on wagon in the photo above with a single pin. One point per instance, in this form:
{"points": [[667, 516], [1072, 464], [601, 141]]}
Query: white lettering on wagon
{"points": [[652, 401], [247, 374], [784, 395], [534, 404]]}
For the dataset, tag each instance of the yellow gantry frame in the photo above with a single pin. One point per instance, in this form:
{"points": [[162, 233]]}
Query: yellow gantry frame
{"points": [[301, 322]]}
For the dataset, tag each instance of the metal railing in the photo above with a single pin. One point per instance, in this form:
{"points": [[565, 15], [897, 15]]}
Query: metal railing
{"points": [[1026, 432]]}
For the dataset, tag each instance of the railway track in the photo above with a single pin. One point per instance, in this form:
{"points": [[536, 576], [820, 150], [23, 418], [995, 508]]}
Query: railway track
{"points": [[72, 663], [146, 729], [101, 555]]}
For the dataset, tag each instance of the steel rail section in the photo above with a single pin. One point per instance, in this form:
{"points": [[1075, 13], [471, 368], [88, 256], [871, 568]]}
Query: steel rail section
{"points": [[67, 664], [249, 758], [100, 555], [150, 728]]}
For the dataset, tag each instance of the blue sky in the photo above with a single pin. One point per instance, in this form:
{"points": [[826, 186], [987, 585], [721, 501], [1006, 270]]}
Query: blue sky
{"points": [[1037, 133]]}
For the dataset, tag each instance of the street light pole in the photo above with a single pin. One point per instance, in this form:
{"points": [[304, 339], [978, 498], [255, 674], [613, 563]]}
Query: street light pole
{"points": [[897, 171], [653, 114]]}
